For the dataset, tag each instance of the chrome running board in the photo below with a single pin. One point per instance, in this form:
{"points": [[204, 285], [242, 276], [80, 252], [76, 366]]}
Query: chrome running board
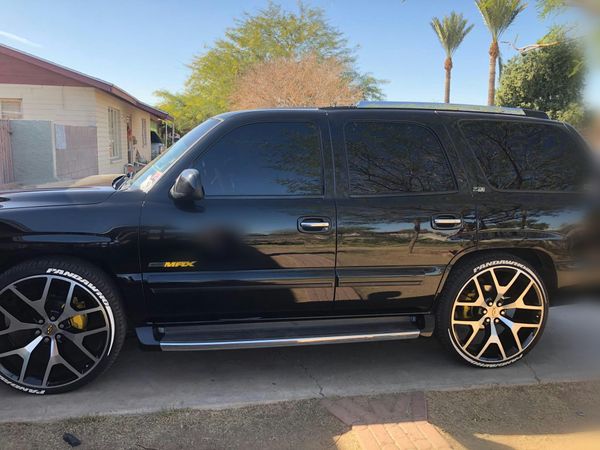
{"points": [[281, 333], [287, 342]]}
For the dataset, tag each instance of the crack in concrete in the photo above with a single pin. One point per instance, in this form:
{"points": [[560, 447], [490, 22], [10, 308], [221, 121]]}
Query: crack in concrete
{"points": [[535, 375], [313, 378]]}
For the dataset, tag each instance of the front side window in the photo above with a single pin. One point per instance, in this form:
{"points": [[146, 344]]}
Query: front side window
{"points": [[10, 108], [146, 178], [265, 159], [114, 133], [526, 156], [386, 158]]}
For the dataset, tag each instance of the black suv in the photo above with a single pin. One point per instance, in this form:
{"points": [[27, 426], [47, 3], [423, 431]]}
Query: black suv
{"points": [[295, 227]]}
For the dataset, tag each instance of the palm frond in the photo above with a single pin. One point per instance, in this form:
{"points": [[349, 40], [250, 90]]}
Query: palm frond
{"points": [[498, 15], [451, 31]]}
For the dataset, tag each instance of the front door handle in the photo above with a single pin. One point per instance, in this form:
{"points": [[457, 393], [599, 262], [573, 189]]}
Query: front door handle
{"points": [[314, 224], [447, 222]]}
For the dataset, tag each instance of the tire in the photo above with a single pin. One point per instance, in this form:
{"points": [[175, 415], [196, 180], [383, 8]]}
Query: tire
{"points": [[49, 345], [492, 310]]}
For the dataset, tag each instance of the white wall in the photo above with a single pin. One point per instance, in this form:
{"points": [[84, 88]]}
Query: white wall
{"points": [[60, 104], [83, 106]]}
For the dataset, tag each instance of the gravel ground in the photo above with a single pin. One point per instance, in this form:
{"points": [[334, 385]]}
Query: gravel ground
{"points": [[289, 425], [545, 416], [548, 416]]}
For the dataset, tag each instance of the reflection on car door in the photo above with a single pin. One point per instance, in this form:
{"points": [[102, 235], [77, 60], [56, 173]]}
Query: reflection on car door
{"points": [[404, 211], [262, 242]]}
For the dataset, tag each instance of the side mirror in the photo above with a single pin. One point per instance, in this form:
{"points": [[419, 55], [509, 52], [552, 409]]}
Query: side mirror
{"points": [[117, 182], [188, 186]]}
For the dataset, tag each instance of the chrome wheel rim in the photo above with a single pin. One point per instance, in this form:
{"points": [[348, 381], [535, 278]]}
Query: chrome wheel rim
{"points": [[53, 332], [497, 315]]}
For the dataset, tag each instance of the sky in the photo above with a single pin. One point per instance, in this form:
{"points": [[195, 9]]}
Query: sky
{"points": [[142, 46]]}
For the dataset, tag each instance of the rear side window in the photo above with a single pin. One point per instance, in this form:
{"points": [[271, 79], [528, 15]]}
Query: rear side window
{"points": [[265, 159], [395, 158], [525, 156]]}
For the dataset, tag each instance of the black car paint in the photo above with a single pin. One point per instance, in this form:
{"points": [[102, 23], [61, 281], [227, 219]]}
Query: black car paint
{"points": [[244, 268]]}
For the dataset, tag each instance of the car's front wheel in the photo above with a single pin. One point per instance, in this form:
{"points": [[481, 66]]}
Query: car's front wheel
{"points": [[492, 310], [61, 325]]}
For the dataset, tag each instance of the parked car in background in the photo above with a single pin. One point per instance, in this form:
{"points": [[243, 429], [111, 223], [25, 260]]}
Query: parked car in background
{"points": [[264, 228]]}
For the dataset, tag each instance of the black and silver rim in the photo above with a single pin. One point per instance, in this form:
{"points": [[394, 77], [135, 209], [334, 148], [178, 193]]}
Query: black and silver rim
{"points": [[54, 331], [497, 315]]}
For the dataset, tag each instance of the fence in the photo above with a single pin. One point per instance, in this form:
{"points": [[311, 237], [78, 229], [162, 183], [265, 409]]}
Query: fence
{"points": [[76, 151], [36, 152], [6, 159]]}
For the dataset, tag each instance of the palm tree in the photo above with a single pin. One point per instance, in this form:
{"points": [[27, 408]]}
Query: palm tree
{"points": [[498, 15], [451, 31]]}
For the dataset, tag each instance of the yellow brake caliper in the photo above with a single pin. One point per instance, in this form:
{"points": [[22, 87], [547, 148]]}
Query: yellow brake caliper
{"points": [[79, 321]]}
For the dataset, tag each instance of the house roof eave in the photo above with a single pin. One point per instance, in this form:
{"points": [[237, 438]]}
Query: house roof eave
{"points": [[84, 79]]}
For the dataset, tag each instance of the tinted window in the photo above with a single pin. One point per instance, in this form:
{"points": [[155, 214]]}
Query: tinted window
{"points": [[523, 156], [265, 159], [146, 178], [389, 157]]}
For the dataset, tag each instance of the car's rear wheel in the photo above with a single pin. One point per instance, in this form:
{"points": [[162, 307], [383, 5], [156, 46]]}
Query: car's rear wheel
{"points": [[492, 310], [61, 325]]}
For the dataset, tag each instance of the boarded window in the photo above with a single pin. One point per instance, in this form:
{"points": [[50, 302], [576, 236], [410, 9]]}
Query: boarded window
{"points": [[144, 133], [10, 108], [114, 132]]}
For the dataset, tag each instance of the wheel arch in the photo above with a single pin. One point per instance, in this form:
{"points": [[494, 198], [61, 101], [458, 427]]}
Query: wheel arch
{"points": [[539, 259], [16, 258], [20, 257]]}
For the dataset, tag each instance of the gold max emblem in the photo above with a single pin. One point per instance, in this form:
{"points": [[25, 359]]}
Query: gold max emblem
{"points": [[173, 264], [179, 263]]}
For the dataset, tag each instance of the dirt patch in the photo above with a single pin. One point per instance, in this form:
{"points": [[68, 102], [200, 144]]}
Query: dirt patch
{"points": [[549, 416], [290, 425]]}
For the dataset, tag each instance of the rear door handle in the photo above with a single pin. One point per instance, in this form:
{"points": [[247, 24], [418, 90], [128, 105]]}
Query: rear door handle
{"points": [[447, 222], [314, 224]]}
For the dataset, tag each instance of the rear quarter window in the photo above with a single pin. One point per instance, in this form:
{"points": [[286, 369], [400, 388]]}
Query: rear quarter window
{"points": [[395, 158], [527, 156]]}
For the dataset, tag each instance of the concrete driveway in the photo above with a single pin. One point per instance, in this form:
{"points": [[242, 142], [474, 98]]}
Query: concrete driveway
{"points": [[148, 381]]}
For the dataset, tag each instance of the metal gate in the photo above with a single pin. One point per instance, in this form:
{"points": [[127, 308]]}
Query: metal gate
{"points": [[76, 151]]}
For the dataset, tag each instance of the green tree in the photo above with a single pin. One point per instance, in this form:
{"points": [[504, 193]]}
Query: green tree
{"points": [[548, 78], [270, 34], [547, 7], [451, 31], [498, 16]]}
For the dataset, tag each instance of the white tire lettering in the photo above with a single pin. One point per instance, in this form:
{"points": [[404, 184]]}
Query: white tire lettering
{"points": [[96, 291], [22, 388]]}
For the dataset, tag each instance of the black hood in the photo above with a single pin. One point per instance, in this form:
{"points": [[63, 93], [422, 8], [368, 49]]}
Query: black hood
{"points": [[54, 197]]}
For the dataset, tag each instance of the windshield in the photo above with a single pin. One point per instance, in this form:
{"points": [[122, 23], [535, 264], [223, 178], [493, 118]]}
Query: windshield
{"points": [[149, 175]]}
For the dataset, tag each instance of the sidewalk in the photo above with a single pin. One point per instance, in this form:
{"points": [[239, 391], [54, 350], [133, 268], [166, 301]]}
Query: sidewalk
{"points": [[393, 422]]}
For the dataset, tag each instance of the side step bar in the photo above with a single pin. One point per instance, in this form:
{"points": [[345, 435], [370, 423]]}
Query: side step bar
{"points": [[279, 333], [286, 342]]}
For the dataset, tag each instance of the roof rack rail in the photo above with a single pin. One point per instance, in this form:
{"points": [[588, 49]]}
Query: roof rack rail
{"points": [[451, 107]]}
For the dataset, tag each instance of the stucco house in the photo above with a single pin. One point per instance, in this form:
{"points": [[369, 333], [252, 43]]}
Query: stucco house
{"points": [[64, 124]]}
